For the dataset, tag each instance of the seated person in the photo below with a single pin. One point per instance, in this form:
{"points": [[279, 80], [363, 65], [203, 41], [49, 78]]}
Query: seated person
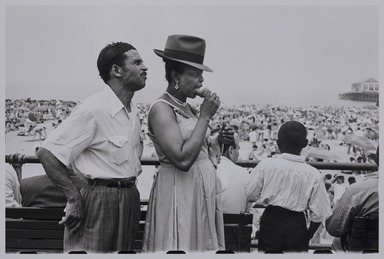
{"points": [[40, 191], [359, 199], [233, 179], [12, 187]]}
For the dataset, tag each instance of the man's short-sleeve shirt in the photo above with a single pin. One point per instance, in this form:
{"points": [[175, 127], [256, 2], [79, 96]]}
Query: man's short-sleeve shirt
{"points": [[99, 139], [287, 181]]}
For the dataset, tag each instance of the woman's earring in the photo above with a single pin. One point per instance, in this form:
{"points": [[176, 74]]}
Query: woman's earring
{"points": [[177, 85]]}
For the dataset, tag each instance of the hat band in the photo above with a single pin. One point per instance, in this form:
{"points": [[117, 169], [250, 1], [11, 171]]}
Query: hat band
{"points": [[186, 56]]}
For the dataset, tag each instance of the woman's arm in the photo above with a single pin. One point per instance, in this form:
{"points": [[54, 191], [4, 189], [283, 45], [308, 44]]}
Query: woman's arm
{"points": [[182, 154]]}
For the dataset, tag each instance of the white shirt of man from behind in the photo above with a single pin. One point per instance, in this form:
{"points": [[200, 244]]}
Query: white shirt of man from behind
{"points": [[12, 188], [233, 179]]}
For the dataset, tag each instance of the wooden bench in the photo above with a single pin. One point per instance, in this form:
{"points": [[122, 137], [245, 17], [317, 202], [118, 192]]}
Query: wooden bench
{"points": [[34, 229], [37, 230]]}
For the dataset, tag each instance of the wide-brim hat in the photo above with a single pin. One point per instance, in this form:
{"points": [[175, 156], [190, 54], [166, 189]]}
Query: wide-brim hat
{"points": [[186, 49]]}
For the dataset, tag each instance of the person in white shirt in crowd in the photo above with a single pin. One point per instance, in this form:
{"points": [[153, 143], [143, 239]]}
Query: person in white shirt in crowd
{"points": [[12, 187], [360, 133], [252, 136], [233, 179], [288, 187], [338, 188]]}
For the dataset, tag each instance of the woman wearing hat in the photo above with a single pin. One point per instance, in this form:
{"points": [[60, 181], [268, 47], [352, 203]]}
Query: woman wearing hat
{"points": [[182, 211]]}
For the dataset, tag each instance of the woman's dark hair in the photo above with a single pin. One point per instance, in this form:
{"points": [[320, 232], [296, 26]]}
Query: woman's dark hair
{"points": [[173, 65], [110, 55]]}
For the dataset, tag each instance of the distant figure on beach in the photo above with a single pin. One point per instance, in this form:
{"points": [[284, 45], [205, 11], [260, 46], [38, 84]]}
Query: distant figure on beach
{"points": [[40, 130], [100, 140], [288, 187], [351, 180], [253, 136]]}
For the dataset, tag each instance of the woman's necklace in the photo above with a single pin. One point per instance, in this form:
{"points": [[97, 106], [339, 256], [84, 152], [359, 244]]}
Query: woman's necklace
{"points": [[176, 100]]}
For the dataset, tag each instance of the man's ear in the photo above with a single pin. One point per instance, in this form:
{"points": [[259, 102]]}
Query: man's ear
{"points": [[230, 150], [116, 70], [278, 143]]}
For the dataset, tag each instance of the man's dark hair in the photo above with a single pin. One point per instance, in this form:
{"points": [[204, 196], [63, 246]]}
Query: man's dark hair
{"points": [[112, 54], [231, 144], [351, 180], [292, 134]]}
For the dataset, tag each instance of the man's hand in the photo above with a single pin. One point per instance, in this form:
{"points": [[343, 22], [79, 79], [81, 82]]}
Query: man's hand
{"points": [[74, 215]]}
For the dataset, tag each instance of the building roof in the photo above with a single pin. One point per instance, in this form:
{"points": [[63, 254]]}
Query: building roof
{"points": [[371, 80]]}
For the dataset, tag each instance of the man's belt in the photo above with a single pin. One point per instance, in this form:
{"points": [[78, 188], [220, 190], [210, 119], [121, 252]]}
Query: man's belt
{"points": [[114, 183]]}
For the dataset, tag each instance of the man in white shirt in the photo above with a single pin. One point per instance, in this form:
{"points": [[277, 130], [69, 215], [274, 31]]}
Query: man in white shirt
{"points": [[100, 140], [12, 187], [233, 179], [288, 187], [252, 136]]}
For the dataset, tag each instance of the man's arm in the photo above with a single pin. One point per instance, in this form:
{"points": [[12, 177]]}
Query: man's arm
{"points": [[57, 172], [254, 184], [313, 226]]}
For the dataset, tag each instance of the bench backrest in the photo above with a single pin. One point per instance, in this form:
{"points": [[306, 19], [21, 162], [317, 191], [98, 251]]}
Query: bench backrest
{"points": [[34, 229], [37, 229]]}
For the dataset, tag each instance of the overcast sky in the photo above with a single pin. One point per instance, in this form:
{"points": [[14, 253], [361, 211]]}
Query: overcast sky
{"points": [[290, 55]]}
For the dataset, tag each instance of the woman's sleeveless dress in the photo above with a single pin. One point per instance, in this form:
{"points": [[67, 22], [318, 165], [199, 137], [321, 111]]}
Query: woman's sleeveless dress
{"points": [[183, 210]]}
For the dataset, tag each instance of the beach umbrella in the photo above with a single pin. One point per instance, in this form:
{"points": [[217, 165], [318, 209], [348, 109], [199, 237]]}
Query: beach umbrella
{"points": [[41, 108], [321, 153], [361, 141], [32, 116]]}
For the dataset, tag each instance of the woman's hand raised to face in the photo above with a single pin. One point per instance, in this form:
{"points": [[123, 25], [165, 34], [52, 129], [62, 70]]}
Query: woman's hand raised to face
{"points": [[210, 104]]}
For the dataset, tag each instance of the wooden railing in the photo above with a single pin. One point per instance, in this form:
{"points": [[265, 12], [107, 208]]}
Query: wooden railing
{"points": [[18, 160]]}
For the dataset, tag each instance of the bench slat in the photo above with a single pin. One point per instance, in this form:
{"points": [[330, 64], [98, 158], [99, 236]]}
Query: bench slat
{"points": [[232, 235], [243, 219], [34, 234], [32, 224], [34, 213], [49, 244]]}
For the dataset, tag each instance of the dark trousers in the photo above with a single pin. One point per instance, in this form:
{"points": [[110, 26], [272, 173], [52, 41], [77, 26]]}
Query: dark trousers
{"points": [[283, 230]]}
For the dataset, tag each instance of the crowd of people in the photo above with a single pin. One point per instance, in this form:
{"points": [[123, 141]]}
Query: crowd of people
{"points": [[101, 140]]}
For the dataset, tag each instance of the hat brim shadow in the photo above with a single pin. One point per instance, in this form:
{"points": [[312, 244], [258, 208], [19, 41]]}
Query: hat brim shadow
{"points": [[160, 53]]}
